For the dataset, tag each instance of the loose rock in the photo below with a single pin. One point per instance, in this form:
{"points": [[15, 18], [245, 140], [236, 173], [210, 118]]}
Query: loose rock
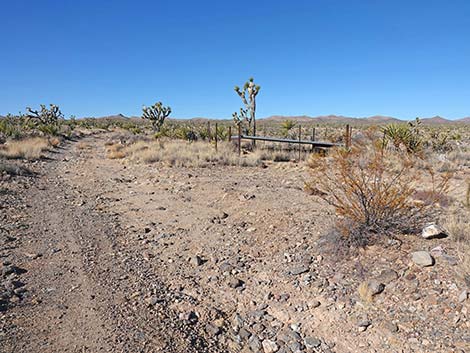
{"points": [[422, 258], [433, 231], [270, 346]]}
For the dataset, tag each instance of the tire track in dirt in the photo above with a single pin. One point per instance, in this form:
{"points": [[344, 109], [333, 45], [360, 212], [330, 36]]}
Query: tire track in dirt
{"points": [[82, 285]]}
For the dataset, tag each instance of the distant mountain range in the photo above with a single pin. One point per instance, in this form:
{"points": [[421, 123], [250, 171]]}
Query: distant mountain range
{"points": [[376, 119], [323, 119]]}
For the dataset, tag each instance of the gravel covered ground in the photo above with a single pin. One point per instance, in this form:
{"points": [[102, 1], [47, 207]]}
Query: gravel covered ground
{"points": [[101, 255]]}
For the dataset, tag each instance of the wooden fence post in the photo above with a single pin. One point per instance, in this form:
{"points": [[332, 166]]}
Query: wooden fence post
{"points": [[346, 137], [313, 137], [216, 137], [229, 133], [350, 136], [300, 137], [209, 131], [239, 140]]}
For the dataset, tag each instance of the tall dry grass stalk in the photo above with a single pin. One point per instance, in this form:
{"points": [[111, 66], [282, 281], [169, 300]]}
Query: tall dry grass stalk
{"points": [[30, 149]]}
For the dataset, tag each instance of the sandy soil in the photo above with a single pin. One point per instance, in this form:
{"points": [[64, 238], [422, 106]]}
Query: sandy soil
{"points": [[109, 256]]}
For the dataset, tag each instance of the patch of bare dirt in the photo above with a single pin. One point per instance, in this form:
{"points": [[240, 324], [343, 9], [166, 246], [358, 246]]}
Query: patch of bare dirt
{"points": [[114, 256]]}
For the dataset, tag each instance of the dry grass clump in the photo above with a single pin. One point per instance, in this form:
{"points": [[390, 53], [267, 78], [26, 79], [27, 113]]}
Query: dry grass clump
{"points": [[373, 190], [179, 153], [83, 146], [54, 141], [30, 149], [115, 151], [457, 224]]}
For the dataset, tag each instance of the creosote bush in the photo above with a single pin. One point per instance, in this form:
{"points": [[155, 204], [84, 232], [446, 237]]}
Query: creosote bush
{"points": [[373, 188]]}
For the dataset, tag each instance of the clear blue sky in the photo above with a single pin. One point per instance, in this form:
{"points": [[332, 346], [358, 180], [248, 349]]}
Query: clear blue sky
{"points": [[356, 58]]}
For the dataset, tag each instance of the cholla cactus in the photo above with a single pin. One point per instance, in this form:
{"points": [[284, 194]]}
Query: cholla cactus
{"points": [[248, 96], [45, 116], [157, 114]]}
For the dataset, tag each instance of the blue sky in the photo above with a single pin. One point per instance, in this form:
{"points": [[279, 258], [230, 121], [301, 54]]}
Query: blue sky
{"points": [[317, 57]]}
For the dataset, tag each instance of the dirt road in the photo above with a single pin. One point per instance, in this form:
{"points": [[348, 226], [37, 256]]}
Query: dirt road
{"points": [[79, 282], [106, 255]]}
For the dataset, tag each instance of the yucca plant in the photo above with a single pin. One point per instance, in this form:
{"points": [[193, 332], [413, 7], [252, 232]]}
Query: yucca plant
{"points": [[404, 136], [287, 126]]}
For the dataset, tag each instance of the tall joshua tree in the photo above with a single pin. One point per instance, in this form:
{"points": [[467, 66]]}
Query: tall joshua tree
{"points": [[156, 114], [248, 96], [45, 116]]}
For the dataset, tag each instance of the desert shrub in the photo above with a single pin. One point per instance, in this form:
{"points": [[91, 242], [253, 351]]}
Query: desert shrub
{"points": [[404, 137], [287, 126], [439, 141], [115, 151], [372, 189], [12, 126]]}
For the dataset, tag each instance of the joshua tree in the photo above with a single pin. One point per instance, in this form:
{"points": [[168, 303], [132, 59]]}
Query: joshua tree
{"points": [[248, 96], [239, 118], [157, 114], [45, 116]]}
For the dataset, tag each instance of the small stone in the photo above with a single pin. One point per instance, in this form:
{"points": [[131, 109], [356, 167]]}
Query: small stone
{"points": [[451, 260], [312, 342], [188, 316], [295, 347], [213, 329], [422, 258], [364, 323], [314, 304], [270, 346], [244, 334], [295, 327], [196, 261], [433, 231], [153, 300], [237, 322], [218, 323], [251, 230], [463, 296], [387, 276], [391, 326], [258, 328], [20, 291], [33, 256], [299, 270], [235, 283], [368, 289], [254, 343], [147, 255]]}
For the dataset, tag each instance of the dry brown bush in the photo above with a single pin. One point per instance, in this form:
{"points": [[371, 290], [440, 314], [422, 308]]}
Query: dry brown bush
{"points": [[115, 151], [372, 189]]}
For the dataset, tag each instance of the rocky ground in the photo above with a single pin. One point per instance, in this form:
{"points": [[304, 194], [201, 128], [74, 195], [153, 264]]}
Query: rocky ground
{"points": [[101, 255]]}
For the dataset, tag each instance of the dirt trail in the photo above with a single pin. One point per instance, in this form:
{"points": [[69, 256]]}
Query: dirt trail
{"points": [[79, 278], [108, 255]]}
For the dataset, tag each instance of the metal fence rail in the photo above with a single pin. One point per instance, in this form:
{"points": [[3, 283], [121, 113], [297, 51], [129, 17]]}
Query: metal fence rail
{"points": [[275, 139]]}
